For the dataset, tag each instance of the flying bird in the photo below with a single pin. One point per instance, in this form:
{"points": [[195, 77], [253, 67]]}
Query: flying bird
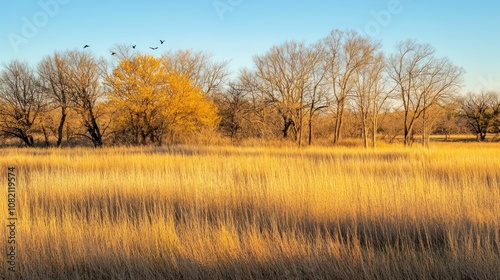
{"points": [[162, 41], [86, 46], [153, 48], [133, 46], [113, 53]]}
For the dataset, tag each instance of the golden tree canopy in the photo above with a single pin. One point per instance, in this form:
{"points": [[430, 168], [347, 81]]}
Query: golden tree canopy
{"points": [[152, 101]]}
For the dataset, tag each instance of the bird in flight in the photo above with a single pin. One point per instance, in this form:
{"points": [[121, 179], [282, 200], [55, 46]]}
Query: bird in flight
{"points": [[113, 53], [133, 46], [162, 41], [86, 46], [153, 48]]}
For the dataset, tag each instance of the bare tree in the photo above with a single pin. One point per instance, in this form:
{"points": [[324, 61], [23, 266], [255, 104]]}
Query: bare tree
{"points": [[200, 68], [347, 53], [317, 96], [371, 94], [482, 112], [390, 126], [262, 116], [450, 121], [85, 81], [21, 101], [54, 76], [421, 80], [283, 76], [235, 109]]}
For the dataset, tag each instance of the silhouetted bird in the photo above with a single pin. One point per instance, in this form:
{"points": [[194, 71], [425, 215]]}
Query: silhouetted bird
{"points": [[113, 53], [153, 48], [86, 46], [133, 46], [162, 41]]}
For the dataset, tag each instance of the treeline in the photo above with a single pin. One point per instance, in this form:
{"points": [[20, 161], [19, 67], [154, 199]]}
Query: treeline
{"points": [[342, 86]]}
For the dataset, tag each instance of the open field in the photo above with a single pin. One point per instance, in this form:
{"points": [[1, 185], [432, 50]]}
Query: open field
{"points": [[256, 213]]}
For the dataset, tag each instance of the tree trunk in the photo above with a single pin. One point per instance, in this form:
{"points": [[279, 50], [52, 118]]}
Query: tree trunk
{"points": [[425, 139], [364, 130], [287, 123], [408, 135], [31, 141], [300, 136], [27, 139], [60, 128], [45, 136], [94, 131], [338, 123], [301, 118], [483, 136], [309, 140], [374, 132], [408, 130]]}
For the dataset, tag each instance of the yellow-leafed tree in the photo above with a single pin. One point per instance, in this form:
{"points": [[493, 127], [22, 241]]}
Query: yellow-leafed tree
{"points": [[153, 103]]}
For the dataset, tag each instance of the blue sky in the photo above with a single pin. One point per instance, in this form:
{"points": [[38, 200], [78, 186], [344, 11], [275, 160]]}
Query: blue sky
{"points": [[468, 32]]}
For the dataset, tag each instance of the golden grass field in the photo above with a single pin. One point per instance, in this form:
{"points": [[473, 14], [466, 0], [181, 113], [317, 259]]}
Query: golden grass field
{"points": [[256, 213]]}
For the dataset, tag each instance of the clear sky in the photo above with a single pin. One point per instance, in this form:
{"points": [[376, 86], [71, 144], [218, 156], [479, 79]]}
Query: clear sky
{"points": [[468, 32]]}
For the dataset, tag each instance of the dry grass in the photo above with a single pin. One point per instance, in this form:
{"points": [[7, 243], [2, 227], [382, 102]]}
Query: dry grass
{"points": [[258, 213]]}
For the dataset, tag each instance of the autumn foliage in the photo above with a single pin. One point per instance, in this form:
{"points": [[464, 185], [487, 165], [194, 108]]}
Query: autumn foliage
{"points": [[154, 104]]}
